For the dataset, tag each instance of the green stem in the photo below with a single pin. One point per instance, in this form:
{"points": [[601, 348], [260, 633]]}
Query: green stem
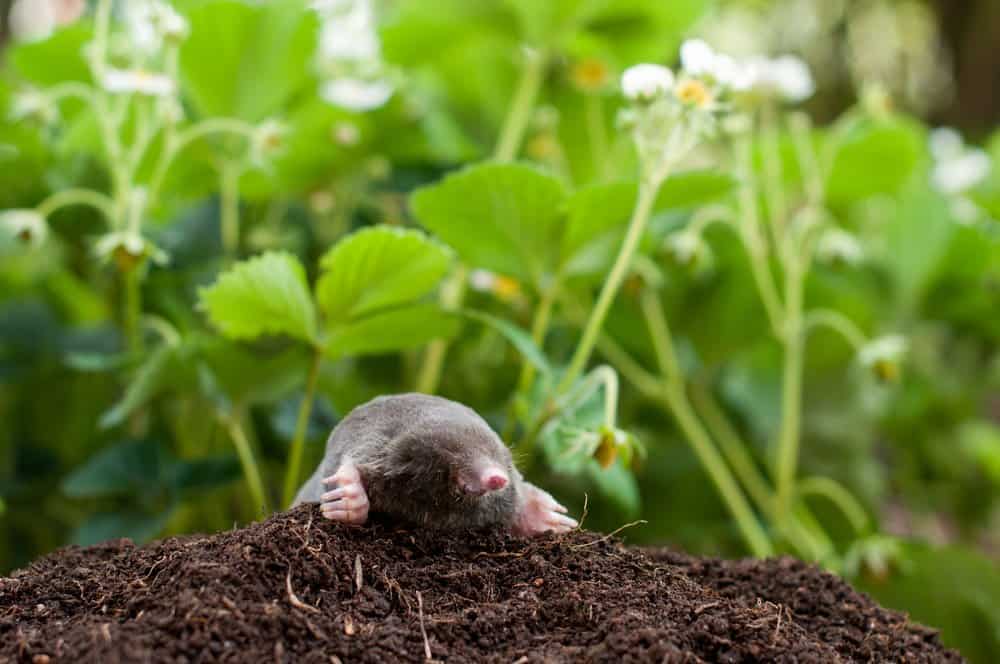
{"points": [[251, 471], [512, 132], [294, 471], [95, 199], [133, 309], [774, 186], [733, 448], [176, 143], [539, 328], [755, 243], [837, 322], [640, 217], [452, 296], [674, 396], [839, 496], [229, 194], [791, 393]]}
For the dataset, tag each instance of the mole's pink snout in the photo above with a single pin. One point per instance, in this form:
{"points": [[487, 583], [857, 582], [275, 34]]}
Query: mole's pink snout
{"points": [[489, 479], [495, 481]]}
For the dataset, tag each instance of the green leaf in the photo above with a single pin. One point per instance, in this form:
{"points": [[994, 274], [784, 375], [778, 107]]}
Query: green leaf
{"points": [[58, 59], [873, 158], [690, 189], [518, 338], [377, 268], [166, 367], [598, 215], [502, 217], [618, 484], [596, 221], [916, 242], [247, 61], [393, 330], [267, 294], [123, 469], [249, 377]]}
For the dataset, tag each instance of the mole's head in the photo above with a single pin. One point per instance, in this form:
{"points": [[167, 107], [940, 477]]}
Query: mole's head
{"points": [[466, 459]]}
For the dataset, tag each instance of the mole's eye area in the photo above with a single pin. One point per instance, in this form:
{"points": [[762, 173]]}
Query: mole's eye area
{"points": [[482, 481]]}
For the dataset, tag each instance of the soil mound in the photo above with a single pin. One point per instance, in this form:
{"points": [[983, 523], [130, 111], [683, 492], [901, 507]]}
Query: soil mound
{"points": [[297, 588]]}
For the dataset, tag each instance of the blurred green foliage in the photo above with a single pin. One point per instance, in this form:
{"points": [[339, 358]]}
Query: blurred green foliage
{"points": [[306, 244]]}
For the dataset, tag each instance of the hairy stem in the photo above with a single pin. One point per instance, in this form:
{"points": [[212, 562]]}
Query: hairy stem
{"points": [[294, 470], [791, 393], [229, 196], [525, 97], [132, 282], [452, 296], [251, 471], [67, 197], [674, 397], [636, 227]]}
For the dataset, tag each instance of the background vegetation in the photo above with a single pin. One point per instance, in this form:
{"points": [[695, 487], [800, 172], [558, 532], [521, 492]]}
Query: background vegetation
{"points": [[222, 228]]}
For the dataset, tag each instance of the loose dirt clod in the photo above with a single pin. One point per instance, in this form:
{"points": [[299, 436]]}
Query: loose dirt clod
{"points": [[286, 590]]}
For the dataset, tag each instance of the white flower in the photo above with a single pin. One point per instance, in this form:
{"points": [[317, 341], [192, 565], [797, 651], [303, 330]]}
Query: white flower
{"points": [[685, 247], [349, 32], [504, 288], [957, 168], [792, 78], [646, 81], [24, 224], [137, 81], [787, 77], [698, 58], [356, 94], [32, 20], [267, 139], [151, 22], [839, 247], [128, 248], [35, 105], [945, 143], [883, 356], [961, 173]]}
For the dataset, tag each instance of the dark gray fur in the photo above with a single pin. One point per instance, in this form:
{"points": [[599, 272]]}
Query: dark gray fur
{"points": [[409, 449]]}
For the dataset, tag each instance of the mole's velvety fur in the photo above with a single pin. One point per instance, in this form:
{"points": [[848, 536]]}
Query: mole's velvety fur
{"points": [[428, 461]]}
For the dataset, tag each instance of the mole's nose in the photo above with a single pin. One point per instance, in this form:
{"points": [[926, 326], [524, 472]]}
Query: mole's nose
{"points": [[494, 480]]}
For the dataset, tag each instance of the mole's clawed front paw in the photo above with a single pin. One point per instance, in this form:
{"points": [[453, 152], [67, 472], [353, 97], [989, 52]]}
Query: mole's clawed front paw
{"points": [[540, 513], [346, 501]]}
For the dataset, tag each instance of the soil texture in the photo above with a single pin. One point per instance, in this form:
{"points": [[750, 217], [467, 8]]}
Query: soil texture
{"points": [[297, 588]]}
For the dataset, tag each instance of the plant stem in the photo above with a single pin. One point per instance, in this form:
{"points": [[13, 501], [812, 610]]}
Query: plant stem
{"points": [[67, 197], [837, 322], [301, 426], [512, 132], [229, 196], [674, 396], [452, 296], [839, 496], [133, 309], [640, 217], [251, 471], [539, 328], [791, 392]]}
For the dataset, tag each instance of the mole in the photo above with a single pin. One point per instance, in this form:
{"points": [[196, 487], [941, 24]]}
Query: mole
{"points": [[430, 462]]}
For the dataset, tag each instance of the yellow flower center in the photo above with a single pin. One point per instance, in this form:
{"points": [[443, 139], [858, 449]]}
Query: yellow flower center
{"points": [[694, 92], [506, 288], [590, 74]]}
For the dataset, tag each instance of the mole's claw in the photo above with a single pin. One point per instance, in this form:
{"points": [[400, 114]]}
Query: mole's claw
{"points": [[539, 512], [348, 503]]}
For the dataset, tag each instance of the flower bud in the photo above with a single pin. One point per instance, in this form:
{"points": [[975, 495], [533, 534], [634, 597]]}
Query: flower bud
{"points": [[646, 82], [27, 226], [883, 357]]}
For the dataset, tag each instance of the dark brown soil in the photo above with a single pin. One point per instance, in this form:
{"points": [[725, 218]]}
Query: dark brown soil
{"points": [[296, 588]]}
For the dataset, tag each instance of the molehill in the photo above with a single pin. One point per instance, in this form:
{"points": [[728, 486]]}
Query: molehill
{"points": [[297, 588]]}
